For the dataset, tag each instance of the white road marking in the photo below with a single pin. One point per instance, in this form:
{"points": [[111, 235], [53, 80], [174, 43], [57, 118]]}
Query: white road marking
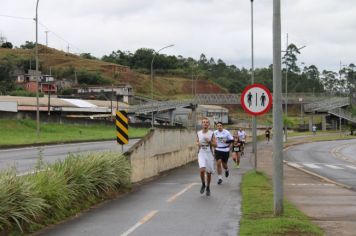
{"points": [[175, 196], [141, 222], [335, 167], [302, 184], [312, 166], [351, 167]]}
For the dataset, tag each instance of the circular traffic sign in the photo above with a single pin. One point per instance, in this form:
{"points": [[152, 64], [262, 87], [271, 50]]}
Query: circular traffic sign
{"points": [[256, 99]]}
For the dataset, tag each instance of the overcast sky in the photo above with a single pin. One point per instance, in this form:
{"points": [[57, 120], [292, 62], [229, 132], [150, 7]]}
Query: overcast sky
{"points": [[217, 28]]}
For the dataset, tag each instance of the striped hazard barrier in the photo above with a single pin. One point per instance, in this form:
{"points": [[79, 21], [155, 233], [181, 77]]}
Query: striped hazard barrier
{"points": [[122, 127]]}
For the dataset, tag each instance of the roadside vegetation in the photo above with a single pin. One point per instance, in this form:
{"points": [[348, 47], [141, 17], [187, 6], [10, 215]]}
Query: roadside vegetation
{"points": [[23, 132], [60, 190], [257, 211]]}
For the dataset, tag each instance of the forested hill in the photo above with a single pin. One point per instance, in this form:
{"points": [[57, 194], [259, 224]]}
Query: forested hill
{"points": [[173, 74]]}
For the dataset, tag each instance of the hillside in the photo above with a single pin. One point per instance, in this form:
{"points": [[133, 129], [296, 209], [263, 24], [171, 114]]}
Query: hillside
{"points": [[58, 62]]}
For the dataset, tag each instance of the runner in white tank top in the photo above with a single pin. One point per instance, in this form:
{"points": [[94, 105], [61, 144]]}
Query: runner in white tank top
{"points": [[206, 142]]}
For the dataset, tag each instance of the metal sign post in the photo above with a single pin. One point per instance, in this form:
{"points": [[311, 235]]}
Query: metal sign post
{"points": [[256, 100], [122, 128]]}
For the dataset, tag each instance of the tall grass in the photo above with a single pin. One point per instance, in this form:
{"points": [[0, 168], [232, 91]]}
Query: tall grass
{"points": [[59, 190], [20, 132]]}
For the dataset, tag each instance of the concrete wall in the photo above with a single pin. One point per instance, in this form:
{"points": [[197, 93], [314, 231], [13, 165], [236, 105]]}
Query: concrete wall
{"points": [[8, 106], [161, 150]]}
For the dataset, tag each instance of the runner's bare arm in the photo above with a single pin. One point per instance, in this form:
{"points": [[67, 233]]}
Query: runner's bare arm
{"points": [[213, 141]]}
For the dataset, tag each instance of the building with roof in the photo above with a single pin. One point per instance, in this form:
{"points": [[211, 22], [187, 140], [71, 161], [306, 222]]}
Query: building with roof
{"points": [[56, 108], [28, 81]]}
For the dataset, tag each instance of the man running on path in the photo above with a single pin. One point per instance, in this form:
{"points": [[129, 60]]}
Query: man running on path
{"points": [[206, 142], [222, 150], [242, 137]]}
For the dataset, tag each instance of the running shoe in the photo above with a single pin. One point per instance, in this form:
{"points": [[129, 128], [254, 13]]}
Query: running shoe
{"points": [[202, 189], [227, 173], [207, 191], [219, 181]]}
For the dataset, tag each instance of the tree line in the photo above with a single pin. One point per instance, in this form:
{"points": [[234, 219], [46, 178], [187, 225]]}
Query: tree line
{"points": [[304, 78]]}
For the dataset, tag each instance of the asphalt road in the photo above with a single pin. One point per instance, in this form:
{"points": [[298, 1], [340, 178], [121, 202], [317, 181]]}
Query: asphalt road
{"points": [[170, 205], [335, 160], [25, 159]]}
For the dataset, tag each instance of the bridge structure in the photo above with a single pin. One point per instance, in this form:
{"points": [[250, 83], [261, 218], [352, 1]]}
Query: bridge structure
{"points": [[313, 103], [334, 106]]}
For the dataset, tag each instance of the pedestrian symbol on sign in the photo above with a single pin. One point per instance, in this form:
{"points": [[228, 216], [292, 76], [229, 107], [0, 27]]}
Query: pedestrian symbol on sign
{"points": [[256, 99], [249, 99], [263, 99]]}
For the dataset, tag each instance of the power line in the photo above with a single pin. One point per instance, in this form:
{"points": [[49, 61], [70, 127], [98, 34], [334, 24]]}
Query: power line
{"points": [[48, 29], [61, 38], [17, 17]]}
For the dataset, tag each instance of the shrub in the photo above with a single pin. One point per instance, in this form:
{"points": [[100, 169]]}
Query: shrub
{"points": [[58, 190], [20, 204]]}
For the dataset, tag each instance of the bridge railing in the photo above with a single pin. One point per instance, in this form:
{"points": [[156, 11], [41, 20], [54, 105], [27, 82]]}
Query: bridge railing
{"points": [[343, 114], [327, 104]]}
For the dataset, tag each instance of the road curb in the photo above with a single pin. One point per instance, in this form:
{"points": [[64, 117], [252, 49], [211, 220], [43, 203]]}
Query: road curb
{"points": [[310, 172], [318, 176]]}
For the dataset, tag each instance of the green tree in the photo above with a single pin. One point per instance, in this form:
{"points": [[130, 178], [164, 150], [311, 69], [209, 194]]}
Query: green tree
{"points": [[290, 58], [7, 45], [7, 83], [87, 56], [28, 45], [330, 81], [142, 58]]}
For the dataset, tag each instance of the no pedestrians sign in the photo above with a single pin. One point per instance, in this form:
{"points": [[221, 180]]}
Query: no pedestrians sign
{"points": [[256, 99]]}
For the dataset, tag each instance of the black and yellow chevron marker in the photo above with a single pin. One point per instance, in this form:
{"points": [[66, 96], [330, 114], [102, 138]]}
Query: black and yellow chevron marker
{"points": [[122, 127]]}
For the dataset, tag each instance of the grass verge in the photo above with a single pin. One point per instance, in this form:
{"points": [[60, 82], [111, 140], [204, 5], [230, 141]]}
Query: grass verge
{"points": [[60, 190], [23, 132], [257, 211]]}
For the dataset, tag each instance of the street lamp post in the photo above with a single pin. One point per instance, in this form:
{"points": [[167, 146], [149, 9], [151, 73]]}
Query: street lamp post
{"points": [[286, 94], [37, 77], [153, 58], [254, 122]]}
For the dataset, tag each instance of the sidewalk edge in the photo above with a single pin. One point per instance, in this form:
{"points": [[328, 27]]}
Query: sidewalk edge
{"points": [[318, 176]]}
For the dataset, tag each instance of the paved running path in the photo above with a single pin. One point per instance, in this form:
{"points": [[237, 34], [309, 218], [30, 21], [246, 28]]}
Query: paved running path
{"points": [[169, 205]]}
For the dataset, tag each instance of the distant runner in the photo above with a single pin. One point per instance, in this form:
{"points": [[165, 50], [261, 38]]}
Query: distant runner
{"points": [[206, 142], [242, 137], [222, 150], [268, 134], [236, 151], [314, 130]]}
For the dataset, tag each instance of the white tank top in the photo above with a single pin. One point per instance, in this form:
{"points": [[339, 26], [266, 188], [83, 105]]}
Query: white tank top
{"points": [[204, 138]]}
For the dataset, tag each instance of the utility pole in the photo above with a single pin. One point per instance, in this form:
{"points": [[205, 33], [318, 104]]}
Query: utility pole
{"points": [[277, 111], [254, 121], [46, 37], [112, 97], [68, 48], [286, 96], [37, 78], [49, 98]]}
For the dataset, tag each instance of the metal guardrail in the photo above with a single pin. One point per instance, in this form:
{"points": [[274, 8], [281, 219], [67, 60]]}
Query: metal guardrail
{"points": [[230, 98], [217, 99], [160, 106]]}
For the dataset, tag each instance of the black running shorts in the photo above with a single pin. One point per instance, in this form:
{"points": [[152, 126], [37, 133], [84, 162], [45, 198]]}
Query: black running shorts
{"points": [[223, 156]]}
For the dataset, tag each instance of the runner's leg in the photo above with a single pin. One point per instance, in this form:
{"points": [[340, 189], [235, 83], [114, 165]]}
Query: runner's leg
{"points": [[208, 180], [202, 177], [219, 169]]}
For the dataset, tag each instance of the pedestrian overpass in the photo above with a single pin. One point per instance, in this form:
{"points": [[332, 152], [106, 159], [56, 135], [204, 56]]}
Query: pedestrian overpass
{"points": [[312, 103]]}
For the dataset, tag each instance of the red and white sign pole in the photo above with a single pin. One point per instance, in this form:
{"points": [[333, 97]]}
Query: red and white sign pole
{"points": [[256, 100]]}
